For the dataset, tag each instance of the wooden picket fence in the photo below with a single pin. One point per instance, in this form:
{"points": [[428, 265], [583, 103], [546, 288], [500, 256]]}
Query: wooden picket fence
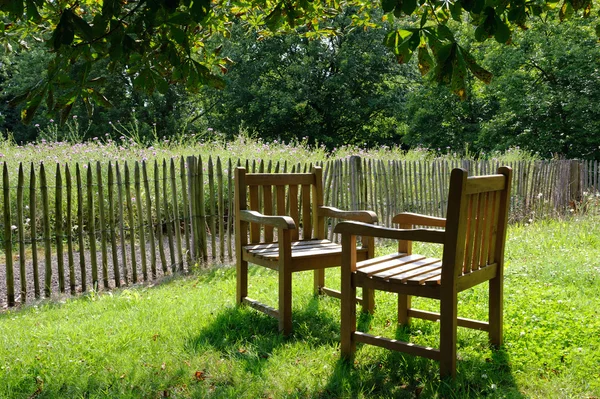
{"points": [[77, 227]]}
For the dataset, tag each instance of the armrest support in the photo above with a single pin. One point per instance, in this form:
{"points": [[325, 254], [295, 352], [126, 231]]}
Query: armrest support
{"points": [[358, 216], [418, 219], [365, 229], [283, 222]]}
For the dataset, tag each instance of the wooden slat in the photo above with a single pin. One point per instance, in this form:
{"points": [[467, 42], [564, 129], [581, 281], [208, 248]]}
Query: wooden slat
{"points": [[254, 227], [212, 206], [261, 307], [192, 213], [112, 226], [306, 213], [140, 215], [101, 220], [33, 220], [483, 199], [121, 224], [47, 243], [220, 210], [149, 219], [294, 211], [412, 349], [167, 216], [394, 262], [80, 212], [130, 219], [69, 230], [10, 281], [21, 235], [294, 244], [186, 212], [175, 216], [461, 321], [471, 223], [279, 179], [159, 219], [58, 225], [268, 210], [201, 210], [231, 211]]}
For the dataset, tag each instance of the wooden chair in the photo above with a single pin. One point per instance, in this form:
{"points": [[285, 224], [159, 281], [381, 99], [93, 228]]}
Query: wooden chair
{"points": [[270, 194], [474, 235]]}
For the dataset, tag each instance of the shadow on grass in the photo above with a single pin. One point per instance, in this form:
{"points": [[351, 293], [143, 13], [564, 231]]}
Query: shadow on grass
{"points": [[386, 373], [249, 336]]}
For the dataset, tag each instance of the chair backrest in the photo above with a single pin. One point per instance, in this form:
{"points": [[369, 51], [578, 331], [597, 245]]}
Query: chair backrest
{"points": [[476, 221], [297, 195]]}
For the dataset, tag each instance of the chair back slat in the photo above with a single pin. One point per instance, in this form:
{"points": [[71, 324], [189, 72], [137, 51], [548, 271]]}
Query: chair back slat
{"points": [[306, 216], [481, 218], [494, 228], [294, 210], [268, 210], [254, 206]]}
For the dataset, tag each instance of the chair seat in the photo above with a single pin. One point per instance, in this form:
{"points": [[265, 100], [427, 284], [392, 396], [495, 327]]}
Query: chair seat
{"points": [[300, 249], [402, 268]]}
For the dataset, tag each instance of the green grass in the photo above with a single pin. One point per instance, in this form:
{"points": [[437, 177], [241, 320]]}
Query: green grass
{"points": [[185, 338]]}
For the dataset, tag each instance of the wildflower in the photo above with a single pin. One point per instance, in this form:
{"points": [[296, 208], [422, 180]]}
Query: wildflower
{"points": [[37, 125], [210, 129], [74, 116], [484, 376], [51, 121], [13, 227], [493, 386]]}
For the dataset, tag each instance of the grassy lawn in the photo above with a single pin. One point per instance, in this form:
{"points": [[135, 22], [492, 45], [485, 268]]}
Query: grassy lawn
{"points": [[185, 338]]}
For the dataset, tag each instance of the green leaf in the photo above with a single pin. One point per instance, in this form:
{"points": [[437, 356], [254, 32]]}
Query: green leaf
{"points": [[456, 11], [388, 5], [502, 34], [31, 106], [445, 33], [32, 11], [598, 31], [458, 84], [409, 6], [82, 27], [479, 72], [101, 99], [425, 62], [480, 33], [179, 36]]}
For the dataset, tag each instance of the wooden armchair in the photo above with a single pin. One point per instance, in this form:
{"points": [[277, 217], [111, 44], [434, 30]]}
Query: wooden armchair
{"points": [[474, 235], [274, 234]]}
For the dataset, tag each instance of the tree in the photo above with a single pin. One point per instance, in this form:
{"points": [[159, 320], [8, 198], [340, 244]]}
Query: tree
{"points": [[167, 41], [339, 90]]}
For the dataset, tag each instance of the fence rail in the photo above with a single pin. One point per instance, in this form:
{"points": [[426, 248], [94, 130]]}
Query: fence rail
{"points": [[108, 225]]}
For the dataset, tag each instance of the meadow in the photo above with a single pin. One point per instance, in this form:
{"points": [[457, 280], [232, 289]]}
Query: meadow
{"points": [[184, 338]]}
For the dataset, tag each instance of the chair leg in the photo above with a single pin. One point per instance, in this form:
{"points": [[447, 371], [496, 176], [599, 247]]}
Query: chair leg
{"points": [[348, 318], [285, 301], [368, 304], [496, 311], [404, 302], [241, 280], [448, 324], [319, 281]]}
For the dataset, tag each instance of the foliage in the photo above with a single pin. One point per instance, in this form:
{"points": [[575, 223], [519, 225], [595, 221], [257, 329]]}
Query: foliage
{"points": [[184, 337], [168, 41], [343, 89]]}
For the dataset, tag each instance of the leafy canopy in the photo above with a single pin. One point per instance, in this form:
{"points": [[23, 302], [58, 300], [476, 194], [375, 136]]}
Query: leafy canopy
{"points": [[161, 42]]}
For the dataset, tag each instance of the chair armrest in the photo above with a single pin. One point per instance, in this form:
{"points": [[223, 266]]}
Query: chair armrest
{"points": [[417, 219], [369, 230], [358, 216], [283, 222]]}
